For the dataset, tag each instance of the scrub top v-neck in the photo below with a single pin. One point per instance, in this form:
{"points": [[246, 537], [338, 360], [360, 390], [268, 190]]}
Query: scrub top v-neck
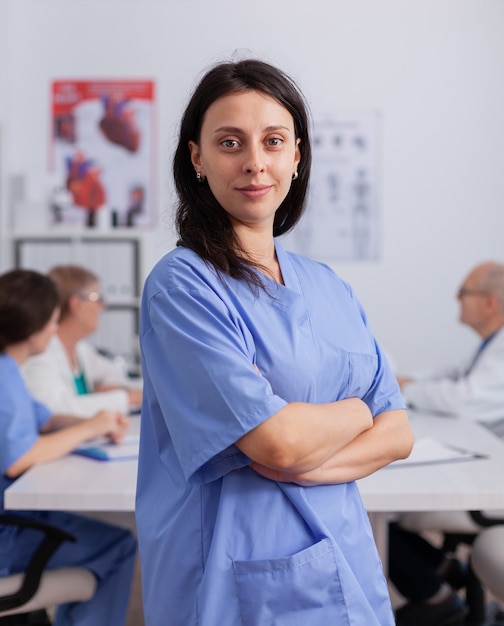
{"points": [[221, 545]]}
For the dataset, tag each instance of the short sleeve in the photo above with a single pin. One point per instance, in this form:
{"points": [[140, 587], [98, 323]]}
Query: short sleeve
{"points": [[21, 417], [41, 412], [200, 365], [384, 394]]}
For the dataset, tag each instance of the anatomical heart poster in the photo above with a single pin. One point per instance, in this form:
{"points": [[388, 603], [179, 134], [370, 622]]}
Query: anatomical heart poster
{"points": [[102, 152]]}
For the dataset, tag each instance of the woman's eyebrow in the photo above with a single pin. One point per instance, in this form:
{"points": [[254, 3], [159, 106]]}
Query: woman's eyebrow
{"points": [[235, 129]]}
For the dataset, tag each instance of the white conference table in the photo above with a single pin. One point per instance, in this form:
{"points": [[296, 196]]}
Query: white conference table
{"points": [[466, 485], [81, 484], [76, 483]]}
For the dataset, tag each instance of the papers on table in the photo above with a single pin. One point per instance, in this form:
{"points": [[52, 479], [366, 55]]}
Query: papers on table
{"points": [[428, 450], [104, 450]]}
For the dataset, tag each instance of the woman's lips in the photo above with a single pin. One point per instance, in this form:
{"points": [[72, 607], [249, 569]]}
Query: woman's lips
{"points": [[254, 191]]}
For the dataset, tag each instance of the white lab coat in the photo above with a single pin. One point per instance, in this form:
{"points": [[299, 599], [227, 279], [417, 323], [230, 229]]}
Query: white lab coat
{"points": [[478, 396], [50, 379]]}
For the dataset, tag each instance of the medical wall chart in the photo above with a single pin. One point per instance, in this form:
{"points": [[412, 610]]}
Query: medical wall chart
{"points": [[342, 220], [101, 151]]}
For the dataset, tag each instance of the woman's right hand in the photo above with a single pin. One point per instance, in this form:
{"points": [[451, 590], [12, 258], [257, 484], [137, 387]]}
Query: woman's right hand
{"points": [[135, 397], [110, 424], [66, 433]]}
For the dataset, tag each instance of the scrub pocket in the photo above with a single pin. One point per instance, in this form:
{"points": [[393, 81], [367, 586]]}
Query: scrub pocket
{"points": [[361, 373], [299, 590]]}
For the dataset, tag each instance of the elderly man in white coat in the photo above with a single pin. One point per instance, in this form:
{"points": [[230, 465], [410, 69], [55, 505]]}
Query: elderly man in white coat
{"points": [[472, 389]]}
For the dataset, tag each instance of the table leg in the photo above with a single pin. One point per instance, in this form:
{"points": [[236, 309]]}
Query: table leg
{"points": [[379, 524]]}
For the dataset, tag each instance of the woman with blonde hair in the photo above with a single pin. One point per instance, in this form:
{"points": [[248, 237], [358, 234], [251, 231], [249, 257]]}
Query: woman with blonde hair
{"points": [[71, 375]]}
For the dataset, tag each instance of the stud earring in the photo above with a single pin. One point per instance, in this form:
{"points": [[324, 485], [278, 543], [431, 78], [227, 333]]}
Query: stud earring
{"points": [[295, 175]]}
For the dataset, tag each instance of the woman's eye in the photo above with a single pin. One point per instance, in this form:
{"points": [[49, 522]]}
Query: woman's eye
{"points": [[275, 142], [230, 143]]}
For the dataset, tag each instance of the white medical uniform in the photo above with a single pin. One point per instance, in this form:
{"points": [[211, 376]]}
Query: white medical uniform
{"points": [[471, 389], [50, 379], [219, 544]]}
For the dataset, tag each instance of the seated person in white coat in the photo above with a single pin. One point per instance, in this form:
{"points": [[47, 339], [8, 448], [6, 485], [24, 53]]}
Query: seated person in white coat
{"points": [[33, 434], [473, 389], [71, 375]]}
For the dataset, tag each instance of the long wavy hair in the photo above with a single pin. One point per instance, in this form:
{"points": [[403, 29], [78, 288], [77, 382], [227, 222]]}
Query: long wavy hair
{"points": [[202, 224]]}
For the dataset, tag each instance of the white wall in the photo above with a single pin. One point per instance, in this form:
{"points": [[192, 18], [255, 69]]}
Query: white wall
{"points": [[4, 85], [434, 68]]}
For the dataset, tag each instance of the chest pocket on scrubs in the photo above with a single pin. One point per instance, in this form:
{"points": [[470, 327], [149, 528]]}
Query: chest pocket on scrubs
{"points": [[361, 373]]}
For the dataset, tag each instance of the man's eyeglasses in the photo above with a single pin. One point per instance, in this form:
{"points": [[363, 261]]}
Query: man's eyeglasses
{"points": [[464, 291], [93, 296]]}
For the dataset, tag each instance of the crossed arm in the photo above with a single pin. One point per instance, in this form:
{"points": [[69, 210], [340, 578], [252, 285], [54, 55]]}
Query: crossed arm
{"points": [[63, 433], [311, 444]]}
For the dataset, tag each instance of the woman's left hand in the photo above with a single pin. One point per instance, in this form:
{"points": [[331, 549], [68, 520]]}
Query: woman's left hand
{"points": [[307, 479]]}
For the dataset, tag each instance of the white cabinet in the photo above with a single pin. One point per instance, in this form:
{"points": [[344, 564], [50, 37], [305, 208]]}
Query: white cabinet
{"points": [[116, 258]]}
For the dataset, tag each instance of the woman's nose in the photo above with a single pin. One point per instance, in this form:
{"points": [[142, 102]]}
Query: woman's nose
{"points": [[254, 160]]}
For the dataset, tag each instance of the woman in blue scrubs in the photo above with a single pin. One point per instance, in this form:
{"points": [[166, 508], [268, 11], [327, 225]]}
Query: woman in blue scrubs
{"points": [[32, 434], [265, 393]]}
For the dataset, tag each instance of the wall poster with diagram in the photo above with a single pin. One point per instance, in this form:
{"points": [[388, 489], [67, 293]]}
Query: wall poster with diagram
{"points": [[102, 152], [341, 222]]}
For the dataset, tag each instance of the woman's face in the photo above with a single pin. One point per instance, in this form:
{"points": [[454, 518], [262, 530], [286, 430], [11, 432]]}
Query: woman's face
{"points": [[248, 153], [89, 307], [38, 341]]}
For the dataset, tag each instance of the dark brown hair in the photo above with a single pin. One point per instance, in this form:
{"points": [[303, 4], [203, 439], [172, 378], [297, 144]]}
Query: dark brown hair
{"points": [[27, 301], [202, 224]]}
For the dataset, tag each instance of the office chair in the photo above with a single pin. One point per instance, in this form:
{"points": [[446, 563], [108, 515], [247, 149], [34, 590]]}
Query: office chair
{"points": [[487, 559], [38, 588], [475, 592]]}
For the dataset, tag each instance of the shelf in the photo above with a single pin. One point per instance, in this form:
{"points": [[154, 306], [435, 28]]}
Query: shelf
{"points": [[114, 256]]}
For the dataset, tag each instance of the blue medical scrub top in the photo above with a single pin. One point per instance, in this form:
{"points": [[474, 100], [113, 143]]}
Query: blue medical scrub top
{"points": [[221, 545], [21, 417]]}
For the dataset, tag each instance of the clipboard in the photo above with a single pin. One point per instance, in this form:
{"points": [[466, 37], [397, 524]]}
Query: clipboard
{"points": [[428, 451], [104, 450]]}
